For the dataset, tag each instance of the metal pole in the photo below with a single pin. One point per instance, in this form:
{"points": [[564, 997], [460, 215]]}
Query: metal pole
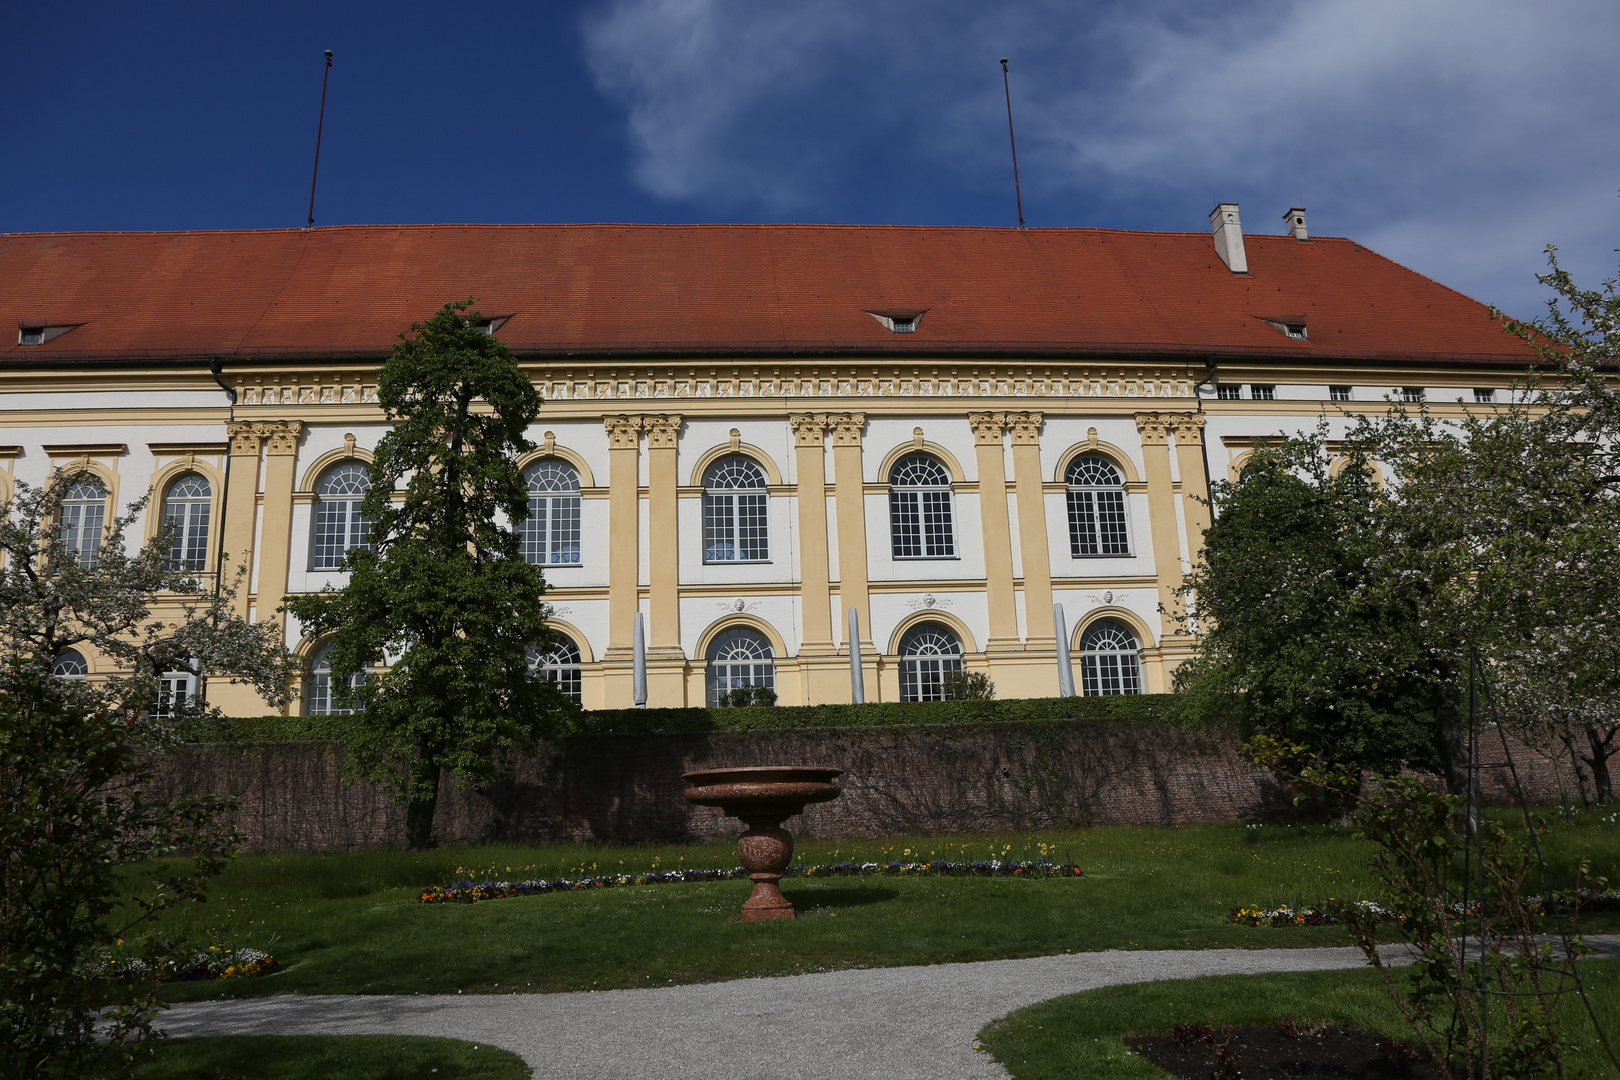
{"points": [[638, 670], [1065, 667], [319, 124], [857, 681], [1017, 193]]}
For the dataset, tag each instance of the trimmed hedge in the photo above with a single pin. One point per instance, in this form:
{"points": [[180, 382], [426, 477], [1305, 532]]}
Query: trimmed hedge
{"points": [[1132, 708]]}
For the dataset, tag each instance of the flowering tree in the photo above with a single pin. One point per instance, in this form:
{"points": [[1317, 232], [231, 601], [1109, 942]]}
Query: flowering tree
{"points": [[79, 838]]}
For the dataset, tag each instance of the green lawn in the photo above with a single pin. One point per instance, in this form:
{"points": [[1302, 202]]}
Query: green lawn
{"points": [[1080, 1035], [331, 1057], [353, 923]]}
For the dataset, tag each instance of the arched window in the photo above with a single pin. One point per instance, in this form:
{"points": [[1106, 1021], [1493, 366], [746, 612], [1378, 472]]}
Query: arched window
{"points": [[70, 665], [739, 657], [1097, 524], [1109, 662], [560, 665], [920, 509], [734, 510], [318, 697], [550, 535], [83, 520], [186, 506], [339, 525], [928, 654]]}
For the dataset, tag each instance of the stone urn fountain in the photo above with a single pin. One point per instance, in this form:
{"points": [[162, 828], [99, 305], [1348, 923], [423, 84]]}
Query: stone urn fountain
{"points": [[763, 797]]}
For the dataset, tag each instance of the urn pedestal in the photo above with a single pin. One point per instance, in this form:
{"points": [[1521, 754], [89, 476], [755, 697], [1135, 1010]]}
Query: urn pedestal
{"points": [[763, 797]]}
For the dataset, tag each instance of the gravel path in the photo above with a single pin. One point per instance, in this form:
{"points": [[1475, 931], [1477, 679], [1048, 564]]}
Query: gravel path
{"points": [[906, 1023]]}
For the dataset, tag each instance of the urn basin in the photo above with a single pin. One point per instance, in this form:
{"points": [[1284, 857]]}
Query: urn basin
{"points": [[762, 797]]}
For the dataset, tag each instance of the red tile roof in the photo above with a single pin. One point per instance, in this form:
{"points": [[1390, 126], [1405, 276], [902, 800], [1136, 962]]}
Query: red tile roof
{"points": [[717, 289]]}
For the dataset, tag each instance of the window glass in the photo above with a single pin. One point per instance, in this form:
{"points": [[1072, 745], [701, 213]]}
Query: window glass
{"points": [[186, 506], [1338, 393], [1484, 394], [83, 520], [70, 665], [1228, 392], [1097, 523], [560, 665], [174, 690], [738, 658], [1109, 660], [318, 698], [920, 509], [339, 524], [928, 654], [735, 506], [1262, 392], [1412, 393], [550, 535]]}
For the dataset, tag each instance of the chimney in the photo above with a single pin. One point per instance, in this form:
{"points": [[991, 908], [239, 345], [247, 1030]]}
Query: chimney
{"points": [[1295, 220], [1223, 220]]}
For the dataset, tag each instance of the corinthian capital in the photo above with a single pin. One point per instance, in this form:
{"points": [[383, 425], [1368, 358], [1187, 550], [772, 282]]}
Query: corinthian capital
{"points": [[846, 428], [281, 435], [624, 432], [245, 438], [1189, 427], [1025, 428], [1154, 428], [809, 429], [987, 427], [663, 430]]}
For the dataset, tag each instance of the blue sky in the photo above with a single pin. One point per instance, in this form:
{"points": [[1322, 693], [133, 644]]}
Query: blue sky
{"points": [[1457, 136]]}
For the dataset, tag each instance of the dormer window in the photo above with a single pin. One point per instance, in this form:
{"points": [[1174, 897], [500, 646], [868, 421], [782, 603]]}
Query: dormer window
{"points": [[40, 333], [494, 323], [1294, 328], [899, 322]]}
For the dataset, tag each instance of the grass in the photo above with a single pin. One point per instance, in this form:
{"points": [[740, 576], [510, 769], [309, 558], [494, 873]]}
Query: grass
{"points": [[1080, 1035], [353, 923], [331, 1057]]}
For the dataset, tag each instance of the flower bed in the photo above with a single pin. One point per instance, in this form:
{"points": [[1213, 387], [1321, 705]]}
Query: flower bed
{"points": [[1588, 900], [217, 962], [470, 892]]}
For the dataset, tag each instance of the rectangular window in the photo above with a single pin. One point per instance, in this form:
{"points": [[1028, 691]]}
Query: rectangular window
{"points": [[1228, 393], [1097, 524], [1484, 394], [920, 524], [80, 531], [549, 536], [331, 533], [1262, 392], [1411, 393], [1338, 393]]}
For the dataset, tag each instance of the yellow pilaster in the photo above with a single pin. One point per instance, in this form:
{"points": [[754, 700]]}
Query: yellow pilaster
{"points": [[666, 663], [241, 507], [809, 438], [998, 573], [1154, 429], [850, 499], [1189, 432], [1032, 541], [624, 509], [281, 443]]}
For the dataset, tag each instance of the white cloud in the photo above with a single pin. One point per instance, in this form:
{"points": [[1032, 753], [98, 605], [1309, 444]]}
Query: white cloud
{"points": [[1458, 135]]}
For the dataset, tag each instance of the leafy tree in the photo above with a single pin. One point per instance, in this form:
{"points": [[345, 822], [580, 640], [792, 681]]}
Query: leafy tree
{"points": [[78, 832], [1303, 620], [444, 597], [967, 686], [748, 695]]}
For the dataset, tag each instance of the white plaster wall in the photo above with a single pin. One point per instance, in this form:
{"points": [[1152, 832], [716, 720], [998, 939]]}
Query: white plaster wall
{"points": [[1079, 605], [700, 613], [889, 610], [1065, 565], [782, 567]]}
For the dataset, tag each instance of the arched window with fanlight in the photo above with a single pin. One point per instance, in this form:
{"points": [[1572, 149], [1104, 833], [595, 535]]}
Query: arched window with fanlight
{"points": [[82, 519], [920, 510], [739, 658], [929, 654], [735, 506], [187, 503], [559, 664], [319, 696], [70, 665], [550, 534], [1110, 660], [339, 524], [1097, 521]]}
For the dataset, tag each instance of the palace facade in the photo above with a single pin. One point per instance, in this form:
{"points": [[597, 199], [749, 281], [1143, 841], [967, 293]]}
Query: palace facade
{"points": [[748, 431]]}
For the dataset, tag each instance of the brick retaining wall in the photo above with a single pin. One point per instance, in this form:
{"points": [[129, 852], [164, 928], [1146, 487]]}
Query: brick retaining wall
{"points": [[898, 780]]}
